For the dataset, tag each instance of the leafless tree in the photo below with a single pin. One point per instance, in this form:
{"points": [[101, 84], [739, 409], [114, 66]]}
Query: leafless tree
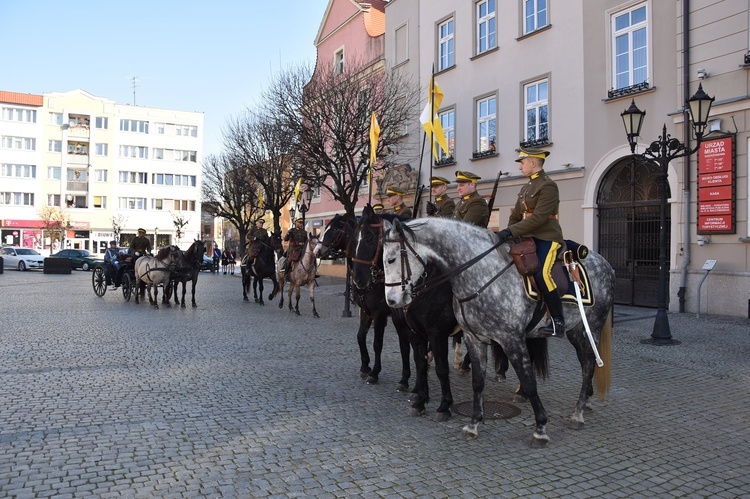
{"points": [[118, 224], [327, 117], [54, 223], [230, 192], [258, 141], [179, 222]]}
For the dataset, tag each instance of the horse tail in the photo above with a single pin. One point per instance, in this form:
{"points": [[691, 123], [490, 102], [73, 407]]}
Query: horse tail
{"points": [[603, 375], [539, 354]]}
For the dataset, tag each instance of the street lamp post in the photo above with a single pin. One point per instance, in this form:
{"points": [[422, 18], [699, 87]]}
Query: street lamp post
{"points": [[664, 150], [305, 205]]}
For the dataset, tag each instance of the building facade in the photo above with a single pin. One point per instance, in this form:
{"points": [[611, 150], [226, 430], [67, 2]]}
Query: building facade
{"points": [[102, 164], [557, 76]]}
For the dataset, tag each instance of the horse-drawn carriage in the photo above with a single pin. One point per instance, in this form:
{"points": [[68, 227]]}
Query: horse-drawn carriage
{"points": [[105, 275]]}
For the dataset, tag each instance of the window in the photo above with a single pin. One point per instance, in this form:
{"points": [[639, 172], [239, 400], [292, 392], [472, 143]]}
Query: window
{"points": [[486, 124], [157, 204], [132, 177], [17, 198], [18, 171], [448, 122], [53, 200], [630, 46], [102, 123], [101, 149], [54, 146], [100, 175], [401, 44], [80, 148], [134, 126], [534, 15], [184, 205], [138, 152], [53, 172], [131, 203], [55, 119], [338, 62], [19, 114], [19, 143], [160, 128], [446, 58], [185, 156], [536, 122], [186, 130], [158, 153], [100, 201], [486, 23]]}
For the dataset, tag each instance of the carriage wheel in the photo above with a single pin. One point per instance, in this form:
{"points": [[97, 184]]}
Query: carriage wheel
{"points": [[99, 281], [127, 286]]}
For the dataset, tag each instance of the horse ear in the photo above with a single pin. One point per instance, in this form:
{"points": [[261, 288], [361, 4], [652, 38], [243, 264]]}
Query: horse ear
{"points": [[397, 224], [386, 224]]}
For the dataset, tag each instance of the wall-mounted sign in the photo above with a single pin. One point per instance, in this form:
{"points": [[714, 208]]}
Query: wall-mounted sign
{"points": [[716, 187]]}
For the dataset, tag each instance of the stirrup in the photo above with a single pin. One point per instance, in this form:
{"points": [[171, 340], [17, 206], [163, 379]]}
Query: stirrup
{"points": [[555, 328]]}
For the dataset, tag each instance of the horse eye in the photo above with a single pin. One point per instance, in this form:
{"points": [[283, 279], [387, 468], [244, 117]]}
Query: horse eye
{"points": [[391, 261]]}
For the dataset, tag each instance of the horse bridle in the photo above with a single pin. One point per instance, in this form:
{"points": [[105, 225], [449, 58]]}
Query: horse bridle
{"points": [[377, 275]]}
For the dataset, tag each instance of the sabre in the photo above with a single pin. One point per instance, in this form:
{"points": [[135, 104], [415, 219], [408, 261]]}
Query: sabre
{"points": [[572, 269]]}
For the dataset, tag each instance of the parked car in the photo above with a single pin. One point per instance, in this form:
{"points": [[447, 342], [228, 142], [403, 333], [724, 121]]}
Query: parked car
{"points": [[208, 263], [80, 259], [21, 258]]}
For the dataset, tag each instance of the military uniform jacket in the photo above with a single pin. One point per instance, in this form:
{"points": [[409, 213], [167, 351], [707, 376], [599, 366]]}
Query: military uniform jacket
{"points": [[473, 208], [538, 217], [445, 206], [140, 244], [403, 212], [296, 237], [257, 237]]}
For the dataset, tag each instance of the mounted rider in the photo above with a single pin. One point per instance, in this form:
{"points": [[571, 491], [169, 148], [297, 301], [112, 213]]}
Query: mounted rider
{"points": [[377, 208], [297, 238], [471, 207], [443, 205], [536, 215], [258, 237], [395, 198]]}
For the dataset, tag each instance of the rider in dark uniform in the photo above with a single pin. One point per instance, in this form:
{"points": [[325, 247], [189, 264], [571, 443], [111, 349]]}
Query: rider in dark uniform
{"points": [[258, 237], [444, 205], [471, 207], [297, 237], [536, 215], [395, 198], [377, 208]]}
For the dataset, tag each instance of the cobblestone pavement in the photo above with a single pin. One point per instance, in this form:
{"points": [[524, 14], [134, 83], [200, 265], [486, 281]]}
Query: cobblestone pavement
{"points": [[105, 398]]}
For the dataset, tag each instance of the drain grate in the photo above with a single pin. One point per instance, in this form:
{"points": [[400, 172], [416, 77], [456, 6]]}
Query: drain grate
{"points": [[492, 410]]}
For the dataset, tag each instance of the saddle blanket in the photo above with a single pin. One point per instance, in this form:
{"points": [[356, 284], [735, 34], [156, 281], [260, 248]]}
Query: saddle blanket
{"points": [[587, 294]]}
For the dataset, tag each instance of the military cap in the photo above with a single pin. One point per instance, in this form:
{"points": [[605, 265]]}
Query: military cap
{"points": [[531, 153], [466, 176], [377, 206], [260, 220], [141, 230], [395, 191], [439, 181], [300, 220]]}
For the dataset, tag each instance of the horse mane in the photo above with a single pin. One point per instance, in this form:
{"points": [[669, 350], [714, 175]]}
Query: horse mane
{"points": [[193, 250], [164, 253]]}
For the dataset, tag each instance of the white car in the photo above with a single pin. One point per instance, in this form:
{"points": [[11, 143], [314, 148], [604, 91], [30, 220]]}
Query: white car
{"points": [[21, 258]]}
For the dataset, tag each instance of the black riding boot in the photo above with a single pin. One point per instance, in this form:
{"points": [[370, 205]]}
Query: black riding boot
{"points": [[556, 327]]}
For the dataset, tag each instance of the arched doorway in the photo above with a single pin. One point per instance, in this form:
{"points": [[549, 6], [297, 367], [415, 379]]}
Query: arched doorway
{"points": [[628, 204]]}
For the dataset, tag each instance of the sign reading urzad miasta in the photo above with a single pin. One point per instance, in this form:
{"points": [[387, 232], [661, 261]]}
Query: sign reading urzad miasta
{"points": [[716, 190]]}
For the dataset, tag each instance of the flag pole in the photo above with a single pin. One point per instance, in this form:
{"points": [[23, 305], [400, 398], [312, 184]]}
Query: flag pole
{"points": [[432, 128]]}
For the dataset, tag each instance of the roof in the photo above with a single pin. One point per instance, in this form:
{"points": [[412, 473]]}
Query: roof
{"points": [[19, 98]]}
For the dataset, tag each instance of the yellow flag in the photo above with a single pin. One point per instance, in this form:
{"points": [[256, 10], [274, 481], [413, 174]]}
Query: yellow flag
{"points": [[374, 135], [297, 190], [260, 200], [431, 121]]}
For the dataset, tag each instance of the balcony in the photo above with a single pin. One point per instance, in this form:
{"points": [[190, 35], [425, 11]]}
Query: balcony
{"points": [[77, 186], [79, 131]]}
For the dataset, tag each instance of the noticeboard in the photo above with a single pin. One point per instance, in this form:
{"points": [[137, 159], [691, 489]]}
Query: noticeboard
{"points": [[716, 186]]}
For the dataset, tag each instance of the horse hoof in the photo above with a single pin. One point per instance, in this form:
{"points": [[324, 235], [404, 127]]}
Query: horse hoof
{"points": [[257, 301], [262, 303], [500, 377], [464, 372], [195, 305], [575, 425], [539, 441], [442, 417], [315, 314], [183, 305], [371, 380], [297, 312], [469, 432], [246, 298], [415, 413], [402, 387]]}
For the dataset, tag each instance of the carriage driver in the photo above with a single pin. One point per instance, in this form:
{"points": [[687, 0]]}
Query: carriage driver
{"points": [[258, 237], [536, 215], [140, 245], [471, 207], [395, 198], [297, 237], [443, 205]]}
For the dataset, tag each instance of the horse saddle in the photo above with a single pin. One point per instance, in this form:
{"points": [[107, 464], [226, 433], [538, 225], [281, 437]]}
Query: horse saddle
{"points": [[565, 288], [295, 254]]}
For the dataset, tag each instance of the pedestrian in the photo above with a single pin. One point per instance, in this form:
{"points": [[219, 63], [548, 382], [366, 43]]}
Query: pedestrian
{"points": [[232, 260], [216, 257], [395, 198], [443, 205], [471, 207], [535, 215], [225, 260]]}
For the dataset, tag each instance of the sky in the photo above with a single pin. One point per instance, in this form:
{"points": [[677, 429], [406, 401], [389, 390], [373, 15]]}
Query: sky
{"points": [[211, 56]]}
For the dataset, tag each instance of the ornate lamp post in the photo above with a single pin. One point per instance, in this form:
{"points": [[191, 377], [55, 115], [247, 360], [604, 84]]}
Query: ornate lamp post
{"points": [[662, 151], [304, 207]]}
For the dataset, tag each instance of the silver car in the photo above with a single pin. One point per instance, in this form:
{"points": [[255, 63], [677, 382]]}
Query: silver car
{"points": [[21, 258]]}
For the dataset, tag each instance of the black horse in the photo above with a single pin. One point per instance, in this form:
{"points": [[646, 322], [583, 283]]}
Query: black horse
{"points": [[188, 267], [262, 267], [338, 236]]}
